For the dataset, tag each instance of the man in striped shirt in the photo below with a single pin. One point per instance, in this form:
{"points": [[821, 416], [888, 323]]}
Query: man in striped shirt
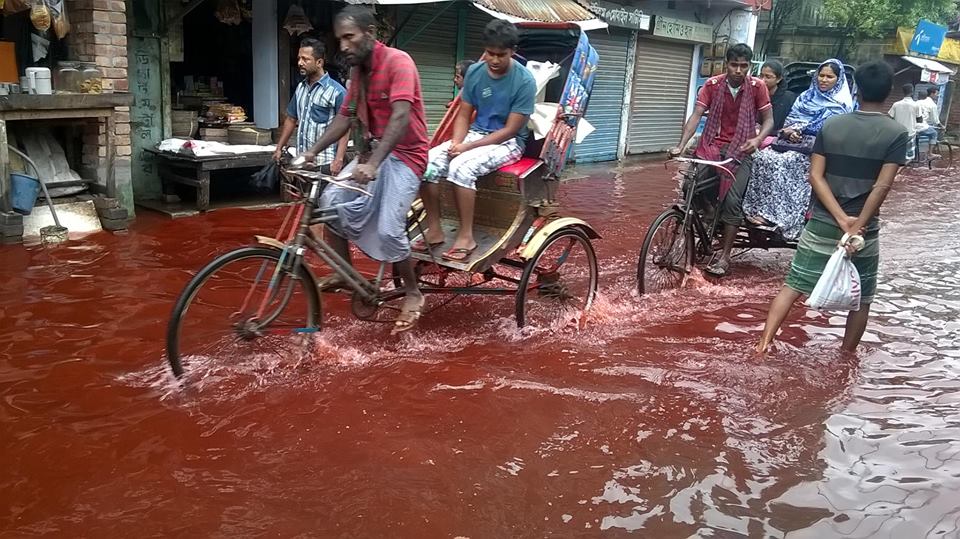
{"points": [[311, 111]]}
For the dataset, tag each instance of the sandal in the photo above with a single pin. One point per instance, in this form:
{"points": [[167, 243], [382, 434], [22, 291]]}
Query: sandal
{"points": [[459, 254], [409, 315], [718, 267], [421, 246]]}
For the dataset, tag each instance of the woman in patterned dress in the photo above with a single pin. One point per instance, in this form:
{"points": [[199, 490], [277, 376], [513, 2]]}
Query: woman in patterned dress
{"points": [[779, 193]]}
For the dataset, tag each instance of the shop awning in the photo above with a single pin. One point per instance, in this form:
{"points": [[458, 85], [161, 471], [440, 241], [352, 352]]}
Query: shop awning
{"points": [[520, 10], [541, 11], [395, 2], [929, 65]]}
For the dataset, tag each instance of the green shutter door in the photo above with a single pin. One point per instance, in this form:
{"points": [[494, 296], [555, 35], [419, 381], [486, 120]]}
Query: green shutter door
{"points": [[434, 50], [476, 22]]}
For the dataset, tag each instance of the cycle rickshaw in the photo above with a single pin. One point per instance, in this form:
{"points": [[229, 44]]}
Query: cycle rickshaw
{"points": [[686, 233], [264, 299]]}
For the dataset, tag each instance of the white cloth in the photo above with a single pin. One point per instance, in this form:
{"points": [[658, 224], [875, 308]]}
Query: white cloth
{"points": [[905, 112], [931, 113], [205, 148]]}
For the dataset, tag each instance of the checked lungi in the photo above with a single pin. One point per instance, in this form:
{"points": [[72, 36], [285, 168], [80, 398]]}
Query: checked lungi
{"points": [[818, 242], [464, 169]]}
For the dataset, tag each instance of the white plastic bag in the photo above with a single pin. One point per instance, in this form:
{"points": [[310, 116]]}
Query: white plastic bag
{"points": [[838, 288]]}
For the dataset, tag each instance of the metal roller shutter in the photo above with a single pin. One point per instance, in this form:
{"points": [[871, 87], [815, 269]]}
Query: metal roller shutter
{"points": [[659, 101], [473, 41], [606, 101], [434, 50]]}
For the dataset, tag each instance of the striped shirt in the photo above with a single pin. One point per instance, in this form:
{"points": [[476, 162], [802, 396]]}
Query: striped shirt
{"points": [[313, 107], [393, 77], [856, 146]]}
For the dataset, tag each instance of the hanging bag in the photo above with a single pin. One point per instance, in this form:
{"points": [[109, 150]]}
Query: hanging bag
{"points": [[838, 288], [40, 16]]}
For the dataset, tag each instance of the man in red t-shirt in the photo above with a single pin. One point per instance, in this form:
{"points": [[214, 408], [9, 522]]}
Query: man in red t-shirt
{"points": [[385, 89], [735, 101]]}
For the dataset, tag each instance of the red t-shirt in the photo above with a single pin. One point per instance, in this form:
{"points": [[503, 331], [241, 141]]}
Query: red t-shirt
{"points": [[393, 77], [731, 105]]}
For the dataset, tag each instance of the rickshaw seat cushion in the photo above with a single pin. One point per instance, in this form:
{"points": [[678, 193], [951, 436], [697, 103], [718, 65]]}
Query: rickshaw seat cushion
{"points": [[521, 167]]}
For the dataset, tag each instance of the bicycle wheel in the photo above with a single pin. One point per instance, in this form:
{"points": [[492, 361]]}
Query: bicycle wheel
{"points": [[244, 307], [665, 255], [559, 281]]}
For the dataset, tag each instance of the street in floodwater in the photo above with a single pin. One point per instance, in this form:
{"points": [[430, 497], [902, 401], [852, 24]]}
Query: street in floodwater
{"points": [[656, 418]]}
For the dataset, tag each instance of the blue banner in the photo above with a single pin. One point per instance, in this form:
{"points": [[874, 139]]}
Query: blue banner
{"points": [[928, 38]]}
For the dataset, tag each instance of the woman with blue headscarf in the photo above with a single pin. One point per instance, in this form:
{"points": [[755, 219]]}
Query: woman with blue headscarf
{"points": [[778, 193]]}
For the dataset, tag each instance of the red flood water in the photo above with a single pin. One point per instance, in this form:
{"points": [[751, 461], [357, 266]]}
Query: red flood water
{"points": [[656, 418]]}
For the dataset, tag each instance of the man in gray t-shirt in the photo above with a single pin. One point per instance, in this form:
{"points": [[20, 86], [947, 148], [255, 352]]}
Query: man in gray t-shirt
{"points": [[854, 162]]}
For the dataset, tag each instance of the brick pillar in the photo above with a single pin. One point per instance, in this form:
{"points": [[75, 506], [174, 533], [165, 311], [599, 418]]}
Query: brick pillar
{"points": [[99, 35]]}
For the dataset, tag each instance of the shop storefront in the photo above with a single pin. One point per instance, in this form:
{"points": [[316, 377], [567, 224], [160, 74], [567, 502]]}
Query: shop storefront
{"points": [[204, 69], [63, 104], [662, 76]]}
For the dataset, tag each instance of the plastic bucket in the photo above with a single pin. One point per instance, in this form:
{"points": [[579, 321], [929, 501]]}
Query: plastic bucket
{"points": [[23, 192]]}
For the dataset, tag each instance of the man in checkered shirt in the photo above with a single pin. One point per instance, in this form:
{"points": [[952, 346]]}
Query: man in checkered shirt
{"points": [[313, 108]]}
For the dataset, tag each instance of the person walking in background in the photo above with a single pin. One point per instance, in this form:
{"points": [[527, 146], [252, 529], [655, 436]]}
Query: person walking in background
{"points": [[929, 107], [314, 106], [854, 162], [930, 118], [905, 112], [780, 98]]}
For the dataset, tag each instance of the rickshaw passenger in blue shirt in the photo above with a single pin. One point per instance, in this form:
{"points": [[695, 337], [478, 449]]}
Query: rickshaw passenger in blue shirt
{"points": [[502, 92]]}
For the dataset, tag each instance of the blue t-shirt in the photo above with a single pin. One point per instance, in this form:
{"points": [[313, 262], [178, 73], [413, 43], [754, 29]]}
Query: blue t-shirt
{"points": [[495, 99]]}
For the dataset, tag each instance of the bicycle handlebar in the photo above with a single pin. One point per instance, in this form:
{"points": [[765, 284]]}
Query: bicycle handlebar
{"points": [[725, 162], [317, 175]]}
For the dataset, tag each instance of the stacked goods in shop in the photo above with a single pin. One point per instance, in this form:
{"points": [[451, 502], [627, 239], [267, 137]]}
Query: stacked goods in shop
{"points": [[183, 123], [214, 134], [225, 113], [247, 133]]}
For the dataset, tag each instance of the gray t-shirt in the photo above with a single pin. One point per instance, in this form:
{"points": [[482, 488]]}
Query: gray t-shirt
{"points": [[856, 146]]}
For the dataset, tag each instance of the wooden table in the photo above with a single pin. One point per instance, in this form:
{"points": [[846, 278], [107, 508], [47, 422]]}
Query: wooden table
{"points": [[195, 171], [58, 107]]}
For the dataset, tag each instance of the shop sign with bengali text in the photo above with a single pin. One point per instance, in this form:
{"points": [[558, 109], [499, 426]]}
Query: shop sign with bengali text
{"points": [[617, 15], [683, 30]]}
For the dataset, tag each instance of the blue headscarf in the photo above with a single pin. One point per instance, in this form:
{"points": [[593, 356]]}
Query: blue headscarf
{"points": [[812, 107]]}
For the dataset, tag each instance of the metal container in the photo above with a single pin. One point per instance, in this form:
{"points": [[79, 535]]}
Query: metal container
{"points": [[39, 78]]}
